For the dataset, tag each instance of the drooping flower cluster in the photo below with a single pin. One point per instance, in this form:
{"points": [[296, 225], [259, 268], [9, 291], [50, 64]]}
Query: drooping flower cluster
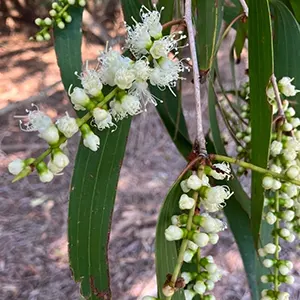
{"points": [[282, 197], [203, 199], [126, 82], [58, 16]]}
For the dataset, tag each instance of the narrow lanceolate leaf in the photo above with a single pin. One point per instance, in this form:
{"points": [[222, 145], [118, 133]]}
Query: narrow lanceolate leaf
{"points": [[166, 252], [241, 34], [296, 8], [95, 175], [231, 11], [209, 18], [260, 70], [286, 45]]}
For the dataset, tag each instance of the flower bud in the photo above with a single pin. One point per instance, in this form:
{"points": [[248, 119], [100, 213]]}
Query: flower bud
{"points": [[210, 224], [247, 139], [82, 3], [61, 25], [16, 166], [45, 174], [60, 159], [267, 182], [91, 141], [270, 248], [293, 172], [186, 202], [79, 98], [174, 233], [295, 122], [268, 263], [189, 295], [52, 13], [199, 287], [264, 279], [188, 255], [284, 270], [276, 148], [283, 232], [68, 19], [194, 182], [289, 279], [184, 187], [288, 215], [287, 127], [213, 238], [291, 238], [47, 36], [54, 168], [271, 218], [276, 185], [71, 2], [211, 268], [50, 135], [38, 21], [201, 239], [286, 88], [283, 296], [187, 276], [262, 252], [39, 38], [48, 21], [209, 285]]}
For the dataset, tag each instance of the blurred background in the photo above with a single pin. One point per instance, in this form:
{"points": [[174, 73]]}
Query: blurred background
{"points": [[33, 216]]}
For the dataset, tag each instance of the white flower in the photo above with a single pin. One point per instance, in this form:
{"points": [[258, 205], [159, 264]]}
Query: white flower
{"points": [[60, 159], [213, 238], [194, 182], [188, 255], [291, 190], [151, 19], [50, 135], [131, 104], [36, 120], [275, 168], [79, 98], [268, 263], [54, 168], [124, 78], [223, 171], [189, 295], [111, 61], [192, 246], [283, 296], [199, 287], [102, 118], [91, 141], [117, 111], [270, 92], [184, 187], [286, 87], [292, 144], [186, 202], [209, 285], [214, 198], [271, 218], [141, 70], [138, 39], [67, 125], [173, 233], [187, 276], [211, 225], [267, 182], [16, 166], [270, 248], [276, 148], [90, 80], [201, 239]]}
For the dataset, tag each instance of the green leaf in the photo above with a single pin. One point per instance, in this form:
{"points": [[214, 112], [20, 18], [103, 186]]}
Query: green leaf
{"points": [[286, 53], [240, 38], [166, 252], [234, 184], [167, 13], [230, 12], [208, 23], [91, 206], [296, 8], [260, 71]]}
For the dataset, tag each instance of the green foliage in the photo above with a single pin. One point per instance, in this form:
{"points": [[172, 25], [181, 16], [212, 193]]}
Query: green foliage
{"points": [[260, 71]]}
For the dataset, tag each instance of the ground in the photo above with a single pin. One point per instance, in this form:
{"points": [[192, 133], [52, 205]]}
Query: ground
{"points": [[33, 216]]}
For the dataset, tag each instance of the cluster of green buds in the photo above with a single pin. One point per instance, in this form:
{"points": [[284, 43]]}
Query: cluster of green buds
{"points": [[282, 202], [198, 226], [118, 88], [58, 16]]}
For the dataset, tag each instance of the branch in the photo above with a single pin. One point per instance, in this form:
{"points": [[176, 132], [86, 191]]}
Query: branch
{"points": [[200, 139]]}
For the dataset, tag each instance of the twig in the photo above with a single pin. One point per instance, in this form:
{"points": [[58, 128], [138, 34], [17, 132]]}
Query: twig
{"points": [[172, 23], [200, 139], [245, 7], [277, 97]]}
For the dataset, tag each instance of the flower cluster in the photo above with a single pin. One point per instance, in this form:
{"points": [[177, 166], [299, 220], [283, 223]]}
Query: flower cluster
{"points": [[58, 16], [198, 195], [282, 198], [125, 81]]}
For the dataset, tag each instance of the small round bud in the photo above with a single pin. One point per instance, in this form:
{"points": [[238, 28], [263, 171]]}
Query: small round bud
{"points": [[289, 264], [270, 248], [291, 238], [47, 36], [39, 38], [50, 135], [287, 127], [268, 263], [82, 3], [211, 268], [261, 252], [239, 149], [288, 215], [284, 232], [247, 139], [201, 239], [61, 25], [55, 5], [68, 19], [60, 159], [213, 238], [290, 111], [184, 187], [244, 115], [71, 2], [271, 218], [276, 185], [267, 182], [264, 279], [194, 182], [173, 233], [249, 130], [38, 21], [283, 296], [188, 255], [293, 172], [48, 21], [284, 270], [186, 202], [16, 166], [295, 122], [91, 141], [239, 135], [289, 279], [52, 13], [209, 285], [199, 287], [187, 276], [45, 174], [175, 220], [189, 294]]}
